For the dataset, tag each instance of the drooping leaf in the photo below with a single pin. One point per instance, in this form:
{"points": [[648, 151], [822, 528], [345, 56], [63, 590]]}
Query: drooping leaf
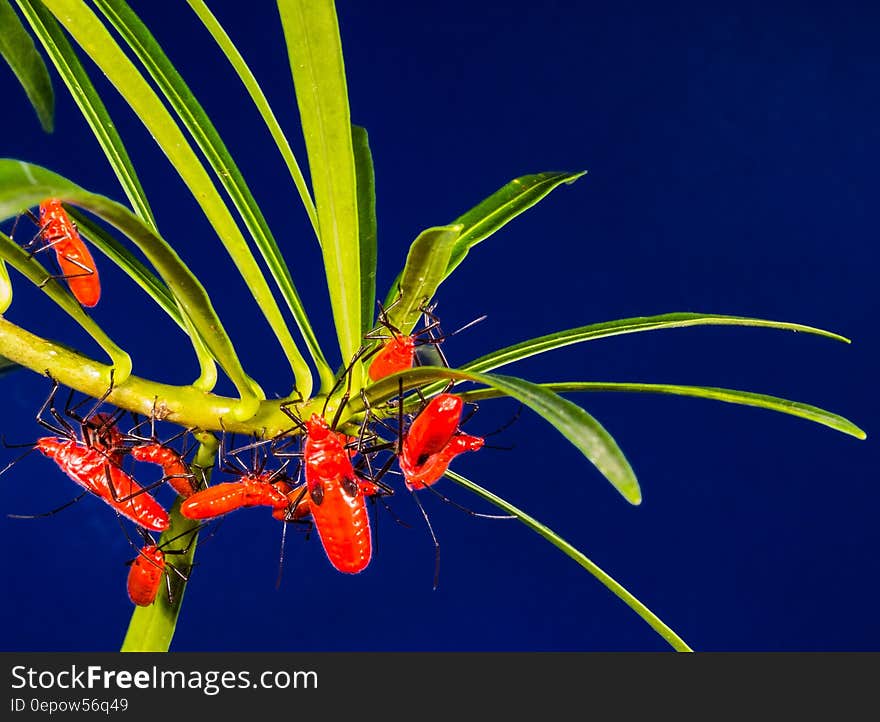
{"points": [[575, 424], [731, 396], [18, 50], [23, 185], [28, 265], [314, 48], [612, 584]]}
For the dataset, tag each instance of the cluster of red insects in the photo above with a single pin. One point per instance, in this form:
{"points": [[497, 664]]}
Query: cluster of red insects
{"points": [[338, 468]]}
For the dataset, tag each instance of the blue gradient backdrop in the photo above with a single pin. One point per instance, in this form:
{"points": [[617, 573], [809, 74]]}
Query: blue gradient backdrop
{"points": [[732, 158]]}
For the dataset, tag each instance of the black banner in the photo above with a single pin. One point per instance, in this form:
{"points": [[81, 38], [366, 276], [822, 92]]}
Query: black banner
{"points": [[400, 685]]}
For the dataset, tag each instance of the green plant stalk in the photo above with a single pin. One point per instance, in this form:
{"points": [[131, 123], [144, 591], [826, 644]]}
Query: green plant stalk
{"points": [[96, 41], [184, 405], [151, 629], [256, 92], [613, 585]]}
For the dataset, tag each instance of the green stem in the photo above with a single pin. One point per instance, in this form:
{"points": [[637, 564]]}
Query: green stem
{"points": [[183, 405]]}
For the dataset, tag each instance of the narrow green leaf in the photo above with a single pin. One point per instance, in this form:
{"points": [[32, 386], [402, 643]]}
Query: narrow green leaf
{"points": [[502, 207], [570, 420], [367, 232], [23, 185], [151, 629], [731, 396], [19, 51], [99, 45], [613, 585], [83, 92], [425, 265], [624, 326], [496, 211], [30, 268], [315, 51], [259, 98], [197, 122]]}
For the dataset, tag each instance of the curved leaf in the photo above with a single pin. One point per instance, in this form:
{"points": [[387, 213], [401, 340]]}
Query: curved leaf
{"points": [[502, 207], [259, 98], [23, 185], [731, 396], [652, 619], [30, 268], [18, 50], [575, 424], [5, 288], [99, 45], [85, 96], [314, 48], [197, 122], [628, 325], [423, 272]]}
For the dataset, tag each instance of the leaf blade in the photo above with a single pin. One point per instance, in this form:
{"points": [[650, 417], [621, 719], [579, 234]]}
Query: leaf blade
{"points": [[367, 230], [314, 47], [20, 53], [731, 396], [568, 549]]}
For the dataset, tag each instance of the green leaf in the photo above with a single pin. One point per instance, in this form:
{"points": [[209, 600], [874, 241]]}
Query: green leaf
{"points": [[197, 122], [496, 211], [100, 46], [23, 185], [570, 420], [731, 396], [83, 92], [30, 268], [151, 629], [502, 207], [18, 50], [367, 233], [315, 51], [652, 619], [423, 272], [625, 326], [259, 98]]}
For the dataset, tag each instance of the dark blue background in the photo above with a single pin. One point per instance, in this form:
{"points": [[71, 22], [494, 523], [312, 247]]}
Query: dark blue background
{"points": [[732, 157]]}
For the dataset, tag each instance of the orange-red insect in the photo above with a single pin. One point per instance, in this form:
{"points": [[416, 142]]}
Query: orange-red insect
{"points": [[250, 490], [174, 469], [433, 441], [336, 498], [150, 565], [75, 260], [93, 470]]}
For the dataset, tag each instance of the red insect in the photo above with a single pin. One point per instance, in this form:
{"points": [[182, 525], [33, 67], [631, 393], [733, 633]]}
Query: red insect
{"points": [[398, 353], [336, 498], [75, 260], [93, 470], [251, 490], [101, 432], [150, 565], [174, 469], [145, 575], [433, 441]]}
